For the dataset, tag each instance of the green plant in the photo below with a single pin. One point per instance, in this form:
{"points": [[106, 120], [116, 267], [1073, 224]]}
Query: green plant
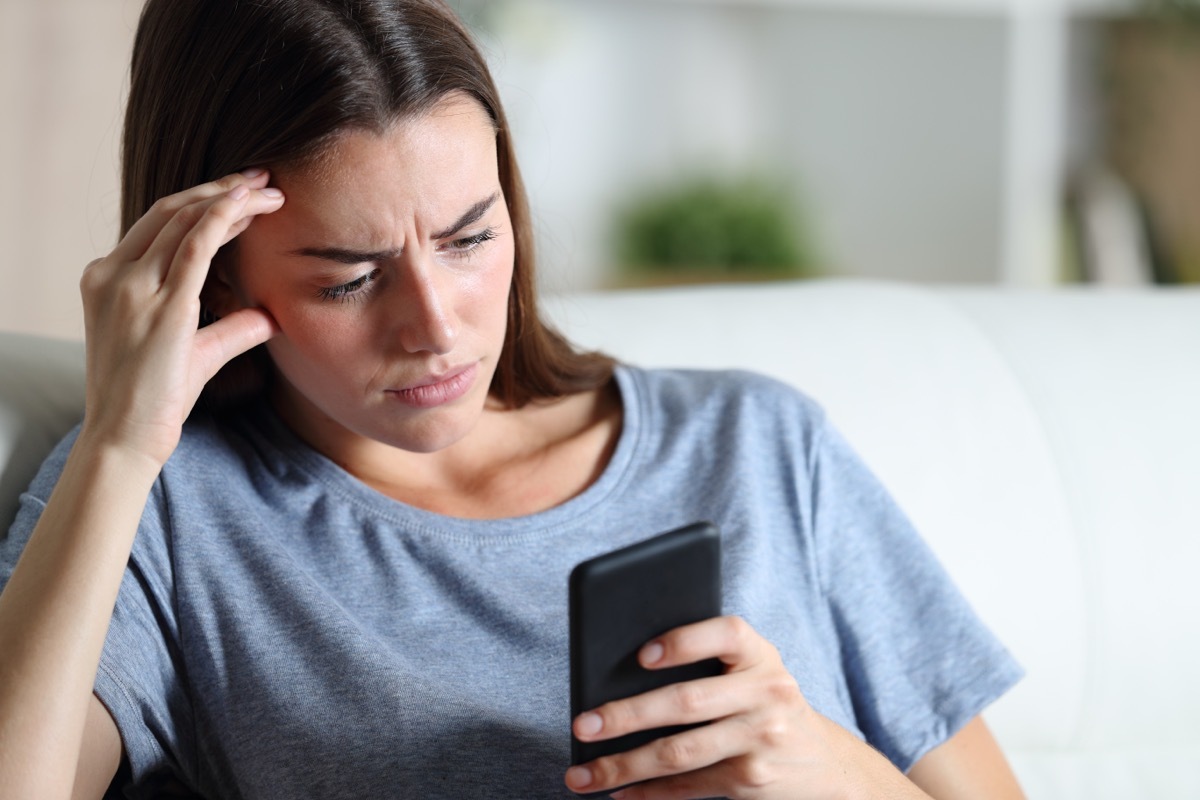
{"points": [[705, 227], [1186, 11]]}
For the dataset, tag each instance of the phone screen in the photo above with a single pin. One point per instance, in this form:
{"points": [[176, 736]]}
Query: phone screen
{"points": [[621, 600]]}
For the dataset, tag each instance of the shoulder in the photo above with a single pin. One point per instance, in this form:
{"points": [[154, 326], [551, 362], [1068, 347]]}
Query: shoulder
{"points": [[207, 437], [731, 415], [249, 443], [725, 383], [203, 437], [725, 394]]}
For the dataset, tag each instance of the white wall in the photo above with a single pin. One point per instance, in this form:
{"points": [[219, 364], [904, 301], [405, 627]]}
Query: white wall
{"points": [[63, 67], [889, 125]]}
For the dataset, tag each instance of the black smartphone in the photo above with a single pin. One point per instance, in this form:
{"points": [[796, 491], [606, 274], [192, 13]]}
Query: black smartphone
{"points": [[623, 599]]}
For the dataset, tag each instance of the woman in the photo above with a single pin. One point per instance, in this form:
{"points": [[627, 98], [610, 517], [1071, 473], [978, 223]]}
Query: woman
{"points": [[343, 574]]}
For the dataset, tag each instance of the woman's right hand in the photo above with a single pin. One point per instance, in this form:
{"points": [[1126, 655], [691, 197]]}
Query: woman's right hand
{"points": [[147, 359]]}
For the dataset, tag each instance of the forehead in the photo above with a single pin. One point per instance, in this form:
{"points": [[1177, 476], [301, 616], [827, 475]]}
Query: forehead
{"points": [[422, 168], [457, 122]]}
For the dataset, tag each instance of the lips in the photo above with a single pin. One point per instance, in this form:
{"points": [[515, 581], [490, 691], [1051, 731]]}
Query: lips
{"points": [[436, 390]]}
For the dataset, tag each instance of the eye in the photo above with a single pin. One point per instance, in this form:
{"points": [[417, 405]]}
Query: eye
{"points": [[349, 291], [462, 248]]}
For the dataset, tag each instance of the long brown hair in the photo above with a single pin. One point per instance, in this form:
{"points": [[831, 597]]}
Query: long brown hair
{"points": [[219, 85]]}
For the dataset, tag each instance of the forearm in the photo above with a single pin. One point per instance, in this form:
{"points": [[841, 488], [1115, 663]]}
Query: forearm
{"points": [[55, 612], [968, 765], [873, 776]]}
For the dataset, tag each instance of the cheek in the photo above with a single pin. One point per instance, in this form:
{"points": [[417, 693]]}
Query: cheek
{"points": [[311, 331], [320, 332], [496, 285], [319, 352], [304, 322]]}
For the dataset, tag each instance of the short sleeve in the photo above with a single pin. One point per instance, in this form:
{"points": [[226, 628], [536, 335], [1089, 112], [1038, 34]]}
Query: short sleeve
{"points": [[918, 662], [139, 677]]}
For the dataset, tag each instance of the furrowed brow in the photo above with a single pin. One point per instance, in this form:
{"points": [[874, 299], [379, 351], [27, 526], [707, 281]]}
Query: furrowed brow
{"points": [[473, 215], [342, 255]]}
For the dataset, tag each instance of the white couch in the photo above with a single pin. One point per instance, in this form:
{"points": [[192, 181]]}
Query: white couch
{"points": [[1048, 445]]}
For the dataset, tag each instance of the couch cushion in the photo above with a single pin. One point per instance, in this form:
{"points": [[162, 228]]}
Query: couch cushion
{"points": [[41, 398]]}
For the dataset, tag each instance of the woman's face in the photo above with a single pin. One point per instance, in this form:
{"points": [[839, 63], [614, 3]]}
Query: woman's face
{"points": [[388, 272]]}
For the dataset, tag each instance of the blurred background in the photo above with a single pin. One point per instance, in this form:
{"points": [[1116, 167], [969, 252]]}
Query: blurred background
{"points": [[1013, 142]]}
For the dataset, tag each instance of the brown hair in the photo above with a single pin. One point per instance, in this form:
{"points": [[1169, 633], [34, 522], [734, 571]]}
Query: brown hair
{"points": [[218, 86]]}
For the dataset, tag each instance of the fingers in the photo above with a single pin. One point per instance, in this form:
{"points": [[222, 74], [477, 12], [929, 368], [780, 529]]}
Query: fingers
{"points": [[191, 239], [184, 231], [730, 639], [143, 233], [675, 787], [184, 249], [229, 337], [236, 229], [755, 707], [682, 754], [742, 774], [740, 752], [147, 361], [671, 755], [677, 704], [182, 246], [691, 702]]}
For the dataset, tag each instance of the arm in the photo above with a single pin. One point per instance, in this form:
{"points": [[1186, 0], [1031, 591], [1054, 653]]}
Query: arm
{"points": [[54, 616], [146, 364], [763, 740], [968, 765]]}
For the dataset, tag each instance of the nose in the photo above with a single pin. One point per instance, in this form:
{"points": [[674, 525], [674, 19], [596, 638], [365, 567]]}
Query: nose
{"points": [[426, 320]]}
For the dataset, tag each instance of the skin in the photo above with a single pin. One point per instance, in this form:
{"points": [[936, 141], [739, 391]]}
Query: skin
{"points": [[425, 296], [349, 338], [764, 740]]}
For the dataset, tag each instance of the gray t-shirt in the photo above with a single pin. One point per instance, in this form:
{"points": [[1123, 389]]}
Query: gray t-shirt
{"points": [[284, 631]]}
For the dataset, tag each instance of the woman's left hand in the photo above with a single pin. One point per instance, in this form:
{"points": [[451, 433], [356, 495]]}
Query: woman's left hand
{"points": [[763, 739]]}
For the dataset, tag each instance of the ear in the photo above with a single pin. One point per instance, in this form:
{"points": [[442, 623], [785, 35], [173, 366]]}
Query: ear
{"points": [[221, 295]]}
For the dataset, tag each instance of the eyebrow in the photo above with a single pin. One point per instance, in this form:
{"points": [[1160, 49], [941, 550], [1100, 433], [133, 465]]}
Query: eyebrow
{"points": [[472, 215], [344, 255]]}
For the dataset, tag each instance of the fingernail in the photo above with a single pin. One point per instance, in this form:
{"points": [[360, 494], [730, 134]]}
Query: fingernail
{"points": [[579, 776], [271, 192], [239, 192], [589, 724], [652, 653], [252, 172]]}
